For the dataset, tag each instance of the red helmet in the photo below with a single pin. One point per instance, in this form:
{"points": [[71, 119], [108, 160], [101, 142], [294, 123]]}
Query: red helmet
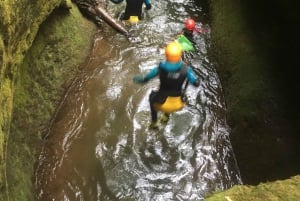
{"points": [[190, 24]]}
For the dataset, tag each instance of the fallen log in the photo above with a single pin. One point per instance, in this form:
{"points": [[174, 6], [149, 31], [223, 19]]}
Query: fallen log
{"points": [[95, 10], [105, 16]]}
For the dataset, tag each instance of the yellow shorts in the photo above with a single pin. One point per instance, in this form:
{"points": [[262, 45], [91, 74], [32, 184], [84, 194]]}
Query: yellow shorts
{"points": [[133, 20], [172, 104]]}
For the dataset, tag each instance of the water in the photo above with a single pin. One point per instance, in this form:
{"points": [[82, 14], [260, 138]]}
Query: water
{"points": [[99, 148]]}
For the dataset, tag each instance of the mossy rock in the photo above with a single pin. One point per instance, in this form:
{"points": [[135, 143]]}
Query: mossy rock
{"points": [[285, 190], [63, 42]]}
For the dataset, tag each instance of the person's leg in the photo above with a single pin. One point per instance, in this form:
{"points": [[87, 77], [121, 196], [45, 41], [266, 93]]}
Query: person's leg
{"points": [[124, 16], [152, 101], [164, 118], [141, 16]]}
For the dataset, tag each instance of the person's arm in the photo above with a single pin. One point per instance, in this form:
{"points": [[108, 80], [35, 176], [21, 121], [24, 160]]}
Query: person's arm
{"points": [[148, 4], [192, 77], [145, 78], [200, 30], [116, 1]]}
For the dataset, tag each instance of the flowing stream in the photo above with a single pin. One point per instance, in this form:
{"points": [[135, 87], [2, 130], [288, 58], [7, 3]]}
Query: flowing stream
{"points": [[98, 146]]}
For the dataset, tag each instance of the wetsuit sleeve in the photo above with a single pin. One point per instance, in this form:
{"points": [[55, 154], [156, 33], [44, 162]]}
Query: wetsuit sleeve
{"points": [[148, 4], [192, 77], [116, 1], [151, 74]]}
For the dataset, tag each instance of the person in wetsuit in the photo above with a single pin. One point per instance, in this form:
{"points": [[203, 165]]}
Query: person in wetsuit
{"points": [[173, 73], [133, 8], [190, 29], [189, 32]]}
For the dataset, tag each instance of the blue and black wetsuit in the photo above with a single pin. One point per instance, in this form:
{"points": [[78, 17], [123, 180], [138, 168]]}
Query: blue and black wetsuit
{"points": [[172, 77], [133, 8]]}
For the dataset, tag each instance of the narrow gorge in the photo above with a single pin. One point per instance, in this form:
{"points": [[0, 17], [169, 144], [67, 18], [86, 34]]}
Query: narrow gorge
{"points": [[254, 47]]}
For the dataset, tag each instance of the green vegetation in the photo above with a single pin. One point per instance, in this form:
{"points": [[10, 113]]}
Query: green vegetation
{"points": [[287, 190], [241, 66], [32, 84], [247, 42], [18, 27]]}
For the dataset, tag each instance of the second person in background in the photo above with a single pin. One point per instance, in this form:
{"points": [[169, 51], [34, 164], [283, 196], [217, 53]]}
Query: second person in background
{"points": [[134, 8], [190, 29]]}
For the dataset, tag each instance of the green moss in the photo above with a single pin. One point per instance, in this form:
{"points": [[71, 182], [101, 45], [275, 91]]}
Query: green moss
{"points": [[6, 99], [286, 190], [35, 82], [264, 135], [16, 35], [240, 64]]}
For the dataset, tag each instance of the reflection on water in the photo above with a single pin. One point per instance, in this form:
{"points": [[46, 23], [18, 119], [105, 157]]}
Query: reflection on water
{"points": [[99, 147]]}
